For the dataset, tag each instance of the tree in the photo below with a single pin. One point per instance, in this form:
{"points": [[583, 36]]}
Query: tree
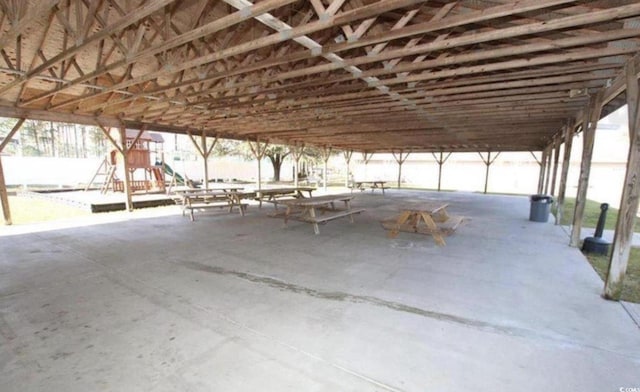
{"points": [[276, 155]]}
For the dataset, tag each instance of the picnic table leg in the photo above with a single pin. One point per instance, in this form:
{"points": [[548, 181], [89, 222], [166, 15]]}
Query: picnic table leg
{"points": [[239, 202], [347, 205], [312, 214], [190, 210], [435, 232], [393, 233], [286, 215], [413, 222]]}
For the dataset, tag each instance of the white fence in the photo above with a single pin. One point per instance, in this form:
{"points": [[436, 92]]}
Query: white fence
{"points": [[462, 172]]}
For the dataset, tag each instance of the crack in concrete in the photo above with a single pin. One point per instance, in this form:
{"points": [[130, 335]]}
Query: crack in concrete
{"points": [[396, 306], [347, 297]]}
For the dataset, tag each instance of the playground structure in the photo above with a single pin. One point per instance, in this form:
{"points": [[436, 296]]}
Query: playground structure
{"points": [[139, 155]]}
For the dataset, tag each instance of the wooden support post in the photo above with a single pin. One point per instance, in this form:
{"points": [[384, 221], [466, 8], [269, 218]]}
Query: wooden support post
{"points": [[259, 151], [204, 151], [556, 159], [488, 163], [542, 163], [326, 153], [205, 156], [621, 246], [547, 178], [400, 159], [123, 150], [589, 124], [366, 157], [297, 150], [4, 196], [566, 160], [441, 162], [347, 158], [127, 173]]}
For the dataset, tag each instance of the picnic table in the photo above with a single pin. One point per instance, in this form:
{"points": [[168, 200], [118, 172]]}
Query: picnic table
{"points": [[319, 209], [231, 188], [276, 195], [212, 198], [373, 185], [424, 218]]}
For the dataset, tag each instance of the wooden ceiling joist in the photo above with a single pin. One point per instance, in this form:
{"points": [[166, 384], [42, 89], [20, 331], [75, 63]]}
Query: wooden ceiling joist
{"points": [[364, 75]]}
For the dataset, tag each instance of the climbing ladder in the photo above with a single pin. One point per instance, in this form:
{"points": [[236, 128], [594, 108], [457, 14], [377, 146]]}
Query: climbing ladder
{"points": [[107, 170], [109, 180]]}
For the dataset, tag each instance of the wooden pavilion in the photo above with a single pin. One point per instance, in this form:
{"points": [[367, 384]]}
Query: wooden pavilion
{"points": [[369, 76]]}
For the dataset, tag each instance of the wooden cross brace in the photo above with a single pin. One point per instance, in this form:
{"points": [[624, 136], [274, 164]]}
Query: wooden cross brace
{"points": [[366, 157], [297, 150], [259, 149], [325, 152], [488, 161], [347, 155], [204, 150], [440, 160], [11, 133], [400, 158]]}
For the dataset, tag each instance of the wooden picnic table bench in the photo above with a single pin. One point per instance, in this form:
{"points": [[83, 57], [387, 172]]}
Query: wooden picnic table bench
{"points": [[307, 209], [278, 195], [436, 221], [215, 198]]}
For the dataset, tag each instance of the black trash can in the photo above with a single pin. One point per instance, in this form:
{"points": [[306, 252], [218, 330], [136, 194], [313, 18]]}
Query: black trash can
{"points": [[540, 208]]}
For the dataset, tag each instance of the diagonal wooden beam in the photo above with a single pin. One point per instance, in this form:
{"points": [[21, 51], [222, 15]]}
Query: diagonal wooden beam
{"points": [[121, 148], [208, 29], [37, 12], [195, 144], [12, 132], [285, 32], [491, 13], [457, 59], [131, 18]]}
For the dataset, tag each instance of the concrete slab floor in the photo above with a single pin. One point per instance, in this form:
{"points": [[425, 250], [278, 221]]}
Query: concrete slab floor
{"points": [[228, 303]]}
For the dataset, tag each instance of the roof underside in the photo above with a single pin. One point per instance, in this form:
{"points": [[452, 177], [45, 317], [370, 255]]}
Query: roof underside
{"points": [[368, 75]]}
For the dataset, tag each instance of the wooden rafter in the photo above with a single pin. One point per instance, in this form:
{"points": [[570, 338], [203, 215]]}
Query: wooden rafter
{"points": [[374, 76]]}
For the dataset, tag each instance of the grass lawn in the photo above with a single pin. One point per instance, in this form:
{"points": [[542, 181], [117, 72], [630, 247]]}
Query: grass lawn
{"points": [[591, 214], [31, 210], [631, 288]]}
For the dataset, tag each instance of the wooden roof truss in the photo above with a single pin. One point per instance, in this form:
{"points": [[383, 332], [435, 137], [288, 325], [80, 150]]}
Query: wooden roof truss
{"points": [[365, 75]]}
